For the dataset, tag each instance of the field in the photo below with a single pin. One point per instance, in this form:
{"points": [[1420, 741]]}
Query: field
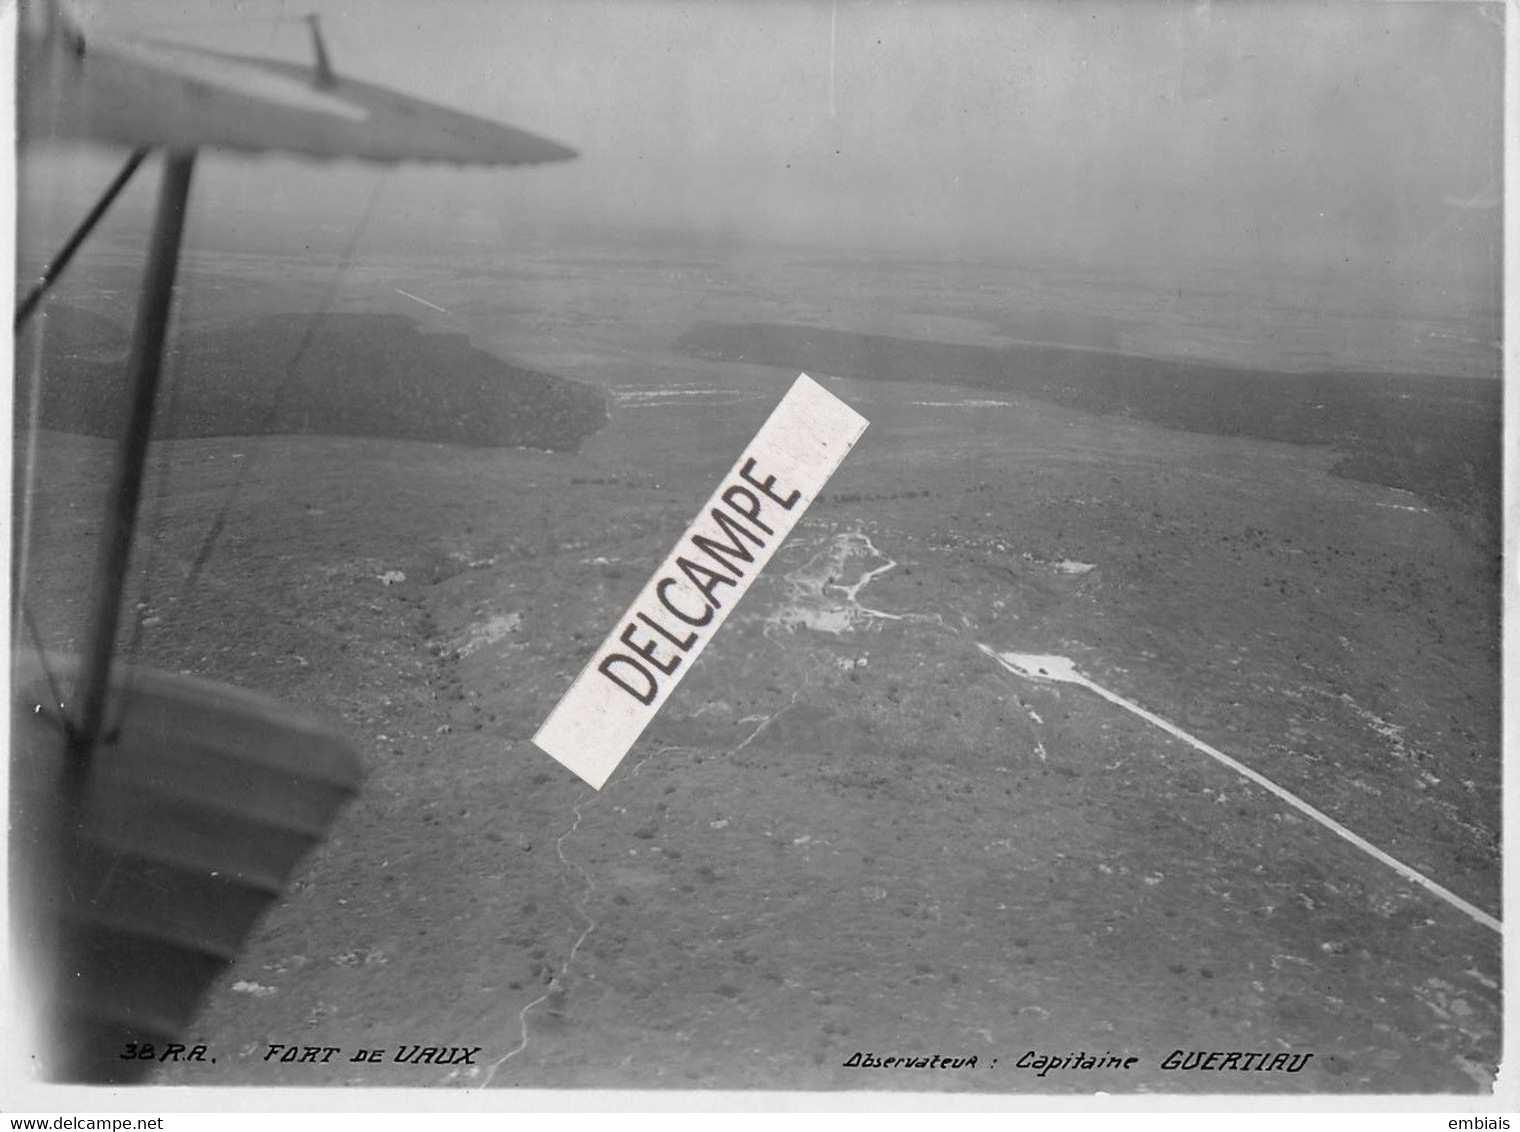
{"points": [[850, 830]]}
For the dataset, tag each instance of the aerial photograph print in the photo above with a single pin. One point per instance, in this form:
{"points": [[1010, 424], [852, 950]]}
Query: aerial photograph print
{"points": [[826, 547]]}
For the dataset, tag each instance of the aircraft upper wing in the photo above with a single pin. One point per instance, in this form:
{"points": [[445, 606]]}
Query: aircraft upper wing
{"points": [[149, 94]]}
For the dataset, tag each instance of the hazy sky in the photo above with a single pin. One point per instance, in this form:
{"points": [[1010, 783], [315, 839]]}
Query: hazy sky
{"points": [[1354, 137]]}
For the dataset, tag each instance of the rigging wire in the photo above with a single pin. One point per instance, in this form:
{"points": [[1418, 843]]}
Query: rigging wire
{"points": [[154, 526], [271, 414], [56, 266]]}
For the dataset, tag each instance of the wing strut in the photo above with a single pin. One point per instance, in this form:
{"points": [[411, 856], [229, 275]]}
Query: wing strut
{"points": [[145, 362], [324, 79]]}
